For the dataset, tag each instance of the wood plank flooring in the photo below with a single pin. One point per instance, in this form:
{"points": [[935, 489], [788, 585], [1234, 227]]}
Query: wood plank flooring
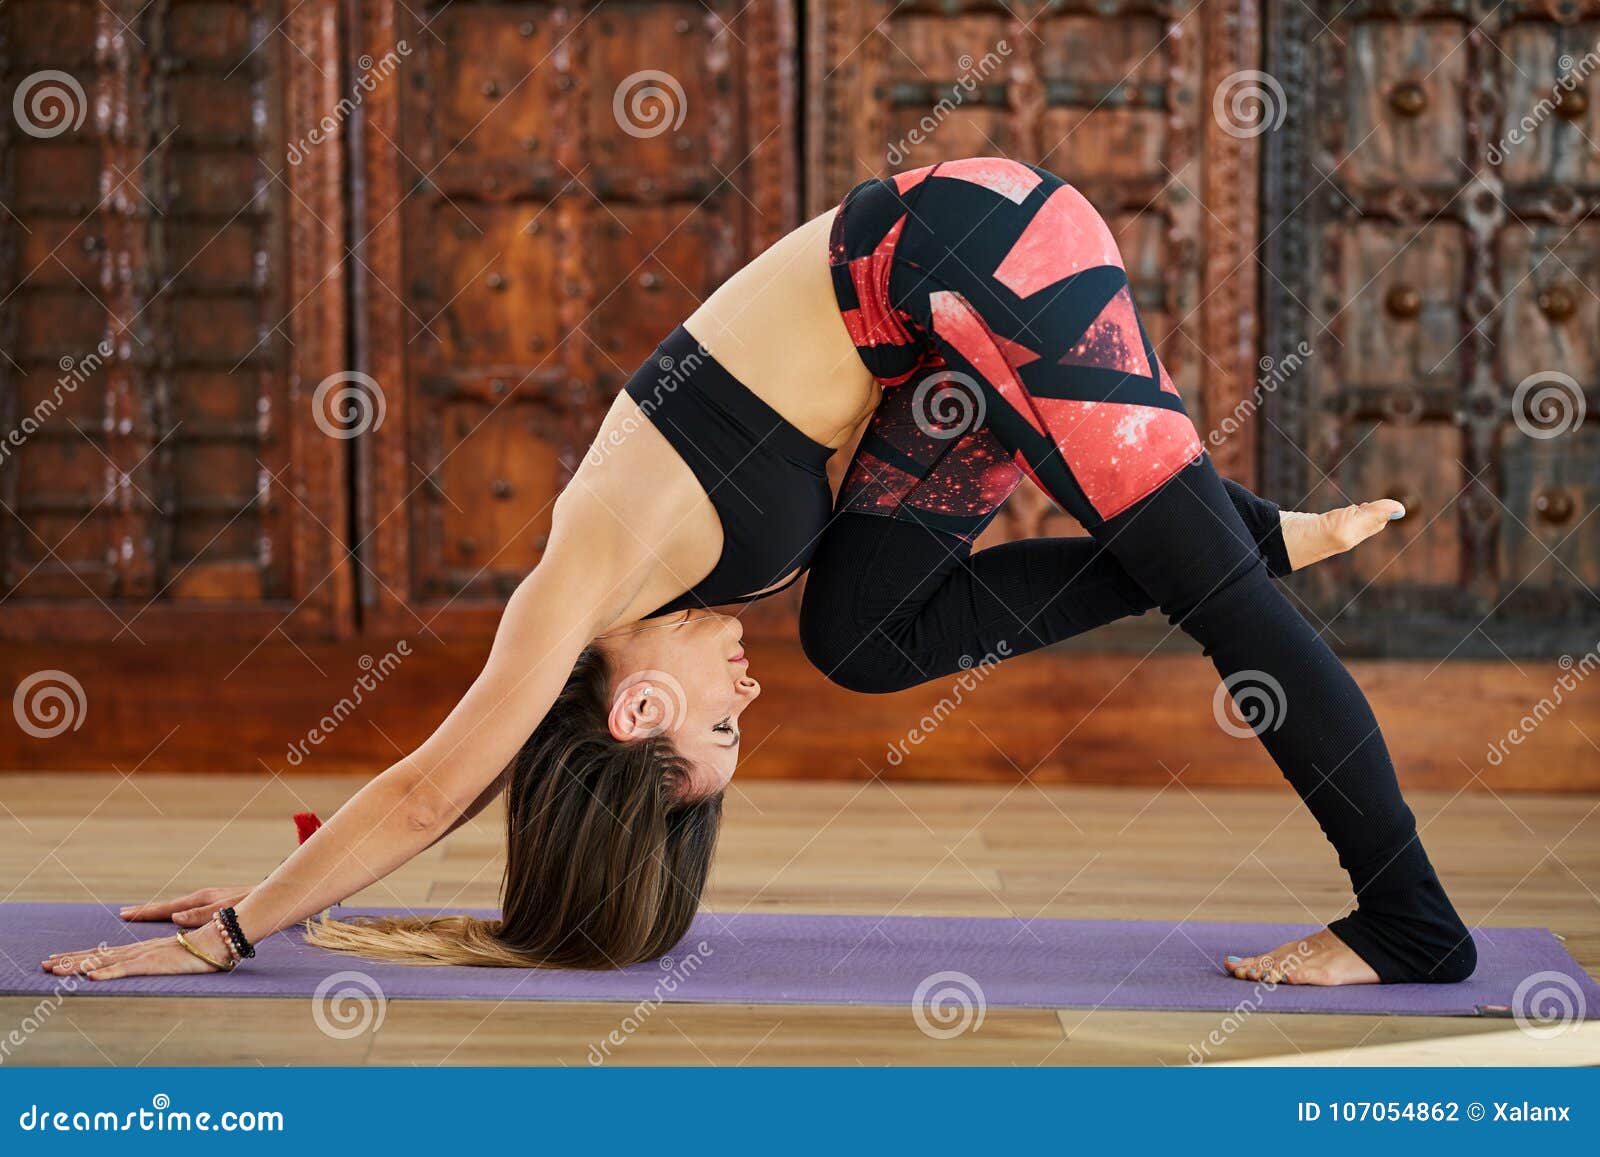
{"points": [[888, 848]]}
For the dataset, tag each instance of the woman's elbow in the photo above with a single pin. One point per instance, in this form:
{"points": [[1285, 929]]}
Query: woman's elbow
{"points": [[418, 807]]}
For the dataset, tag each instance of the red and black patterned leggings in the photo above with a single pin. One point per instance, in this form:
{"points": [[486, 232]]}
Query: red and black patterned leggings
{"points": [[990, 300]]}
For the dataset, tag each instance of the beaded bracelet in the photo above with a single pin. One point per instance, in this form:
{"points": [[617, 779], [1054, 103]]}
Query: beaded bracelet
{"points": [[227, 940], [230, 924]]}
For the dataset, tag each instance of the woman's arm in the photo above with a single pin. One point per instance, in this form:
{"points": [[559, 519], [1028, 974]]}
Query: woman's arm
{"points": [[551, 617]]}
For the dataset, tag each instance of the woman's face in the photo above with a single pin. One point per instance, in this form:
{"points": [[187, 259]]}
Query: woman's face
{"points": [[684, 675]]}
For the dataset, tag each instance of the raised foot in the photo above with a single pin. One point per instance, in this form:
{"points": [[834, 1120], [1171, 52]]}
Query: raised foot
{"points": [[1319, 959], [1310, 538]]}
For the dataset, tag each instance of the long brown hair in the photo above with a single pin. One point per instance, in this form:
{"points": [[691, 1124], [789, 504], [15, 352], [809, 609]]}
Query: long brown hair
{"points": [[605, 861]]}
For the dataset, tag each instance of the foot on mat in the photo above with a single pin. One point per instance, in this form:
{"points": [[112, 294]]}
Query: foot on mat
{"points": [[1319, 959]]}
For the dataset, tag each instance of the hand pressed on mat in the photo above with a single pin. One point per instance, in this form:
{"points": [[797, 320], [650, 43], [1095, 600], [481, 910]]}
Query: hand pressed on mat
{"points": [[189, 911], [163, 956]]}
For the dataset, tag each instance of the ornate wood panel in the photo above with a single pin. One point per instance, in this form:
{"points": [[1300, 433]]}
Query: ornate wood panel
{"points": [[169, 292], [1117, 96], [545, 190], [1431, 206]]}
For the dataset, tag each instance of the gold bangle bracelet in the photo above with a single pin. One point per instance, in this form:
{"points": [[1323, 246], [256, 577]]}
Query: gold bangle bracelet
{"points": [[195, 952]]}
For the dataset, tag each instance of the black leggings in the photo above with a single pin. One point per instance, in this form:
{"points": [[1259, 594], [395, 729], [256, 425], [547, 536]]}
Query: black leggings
{"points": [[933, 606], [990, 300]]}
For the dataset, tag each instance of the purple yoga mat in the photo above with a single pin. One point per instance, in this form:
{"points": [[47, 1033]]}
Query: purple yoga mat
{"points": [[765, 958]]}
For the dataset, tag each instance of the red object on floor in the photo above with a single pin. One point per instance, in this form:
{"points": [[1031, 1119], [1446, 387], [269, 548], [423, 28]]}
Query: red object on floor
{"points": [[305, 823]]}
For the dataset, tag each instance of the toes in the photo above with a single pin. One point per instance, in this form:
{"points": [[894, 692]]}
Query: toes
{"points": [[1382, 512], [1244, 968], [1265, 967]]}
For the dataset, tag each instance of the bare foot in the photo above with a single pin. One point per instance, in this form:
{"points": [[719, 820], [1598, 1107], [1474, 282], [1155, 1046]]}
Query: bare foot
{"points": [[1310, 538], [1320, 959]]}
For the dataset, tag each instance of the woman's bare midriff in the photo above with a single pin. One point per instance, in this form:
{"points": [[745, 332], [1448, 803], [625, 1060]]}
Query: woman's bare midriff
{"points": [[775, 326]]}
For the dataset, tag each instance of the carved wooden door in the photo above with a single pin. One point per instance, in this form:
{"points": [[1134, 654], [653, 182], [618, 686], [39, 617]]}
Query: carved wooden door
{"points": [[1432, 246], [169, 295], [546, 190]]}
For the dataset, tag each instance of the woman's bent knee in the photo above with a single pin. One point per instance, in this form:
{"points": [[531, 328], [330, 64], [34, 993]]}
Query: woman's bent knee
{"points": [[851, 655]]}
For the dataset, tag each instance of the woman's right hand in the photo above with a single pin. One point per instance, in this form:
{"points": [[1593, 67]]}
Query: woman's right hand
{"points": [[189, 911]]}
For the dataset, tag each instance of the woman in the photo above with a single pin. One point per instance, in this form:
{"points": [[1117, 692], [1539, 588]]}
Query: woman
{"points": [[975, 317]]}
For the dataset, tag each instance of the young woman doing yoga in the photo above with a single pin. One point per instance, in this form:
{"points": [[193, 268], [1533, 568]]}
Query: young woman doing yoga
{"points": [[975, 317]]}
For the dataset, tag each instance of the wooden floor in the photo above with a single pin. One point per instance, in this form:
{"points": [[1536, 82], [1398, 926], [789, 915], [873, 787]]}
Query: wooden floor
{"points": [[905, 849]]}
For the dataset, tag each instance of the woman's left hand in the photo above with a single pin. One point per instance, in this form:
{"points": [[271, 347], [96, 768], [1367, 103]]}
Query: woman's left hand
{"points": [[189, 911], [163, 956]]}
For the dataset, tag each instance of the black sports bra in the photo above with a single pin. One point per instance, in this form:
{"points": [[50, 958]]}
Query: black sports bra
{"points": [[766, 479]]}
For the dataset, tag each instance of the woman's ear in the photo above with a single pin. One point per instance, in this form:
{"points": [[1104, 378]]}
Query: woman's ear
{"points": [[629, 712], [650, 703]]}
